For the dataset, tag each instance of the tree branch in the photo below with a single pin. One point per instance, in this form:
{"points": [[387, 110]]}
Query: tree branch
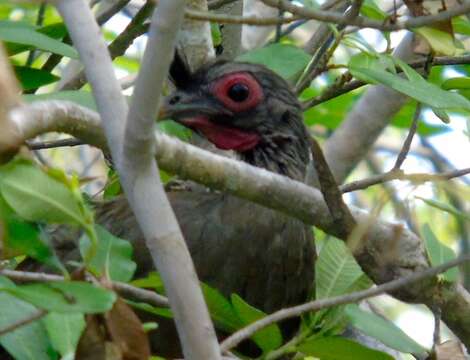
{"points": [[195, 38], [132, 150], [389, 287], [363, 22], [397, 174], [124, 289]]}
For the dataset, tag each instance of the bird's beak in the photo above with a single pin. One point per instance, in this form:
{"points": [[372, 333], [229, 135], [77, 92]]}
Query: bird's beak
{"points": [[181, 105]]}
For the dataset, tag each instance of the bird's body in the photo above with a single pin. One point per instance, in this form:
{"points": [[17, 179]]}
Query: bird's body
{"points": [[237, 246]]}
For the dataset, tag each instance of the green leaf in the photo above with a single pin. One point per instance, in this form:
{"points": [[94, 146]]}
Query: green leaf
{"points": [[404, 117], [268, 338], [286, 60], [371, 10], [21, 237], [65, 297], [461, 25], [80, 97], [415, 86], [174, 129], [336, 270], [221, 310], [36, 196], [163, 312], [153, 280], [461, 83], [442, 115], [439, 253], [25, 35], [31, 78], [440, 41], [446, 207], [383, 330], [337, 348], [28, 342], [56, 31], [216, 34], [113, 256], [65, 330]]}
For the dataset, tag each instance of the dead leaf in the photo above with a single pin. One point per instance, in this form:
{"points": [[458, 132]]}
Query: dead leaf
{"points": [[126, 331]]}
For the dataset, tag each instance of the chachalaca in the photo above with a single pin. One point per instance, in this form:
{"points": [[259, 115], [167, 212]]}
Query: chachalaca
{"points": [[237, 246]]}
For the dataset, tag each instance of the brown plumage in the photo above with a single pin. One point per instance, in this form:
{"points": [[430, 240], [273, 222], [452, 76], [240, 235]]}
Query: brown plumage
{"points": [[237, 246]]}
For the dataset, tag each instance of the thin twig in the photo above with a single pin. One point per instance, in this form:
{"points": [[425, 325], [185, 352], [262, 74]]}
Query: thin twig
{"points": [[397, 174], [41, 145], [409, 139], [22, 322], [389, 287], [339, 211], [39, 22], [109, 10], [363, 22], [124, 289]]}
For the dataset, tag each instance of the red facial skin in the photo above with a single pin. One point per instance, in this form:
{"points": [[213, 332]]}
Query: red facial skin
{"points": [[226, 137]]}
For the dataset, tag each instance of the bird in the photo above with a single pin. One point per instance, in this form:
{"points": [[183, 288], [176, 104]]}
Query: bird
{"points": [[264, 256]]}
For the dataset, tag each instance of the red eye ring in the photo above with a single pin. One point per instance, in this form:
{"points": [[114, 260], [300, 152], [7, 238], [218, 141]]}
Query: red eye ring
{"points": [[222, 90]]}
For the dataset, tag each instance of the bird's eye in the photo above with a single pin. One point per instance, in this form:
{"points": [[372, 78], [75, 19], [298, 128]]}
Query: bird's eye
{"points": [[238, 92]]}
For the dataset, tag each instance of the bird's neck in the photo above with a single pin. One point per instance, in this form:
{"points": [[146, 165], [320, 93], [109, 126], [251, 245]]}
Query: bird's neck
{"points": [[288, 157]]}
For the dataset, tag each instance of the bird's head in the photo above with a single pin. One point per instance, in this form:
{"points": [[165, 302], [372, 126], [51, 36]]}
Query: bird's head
{"points": [[246, 108]]}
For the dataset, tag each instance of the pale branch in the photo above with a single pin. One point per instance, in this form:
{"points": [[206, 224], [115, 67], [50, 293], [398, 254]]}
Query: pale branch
{"points": [[389, 287], [277, 192], [195, 38], [38, 314], [141, 181], [363, 22], [234, 19], [397, 174], [135, 165], [123, 289]]}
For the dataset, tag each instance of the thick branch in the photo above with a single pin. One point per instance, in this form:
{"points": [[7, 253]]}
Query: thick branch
{"points": [[405, 252], [141, 180], [195, 38], [135, 164]]}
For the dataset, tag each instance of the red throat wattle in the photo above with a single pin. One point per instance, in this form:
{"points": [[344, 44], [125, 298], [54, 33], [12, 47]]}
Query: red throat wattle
{"points": [[224, 137]]}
